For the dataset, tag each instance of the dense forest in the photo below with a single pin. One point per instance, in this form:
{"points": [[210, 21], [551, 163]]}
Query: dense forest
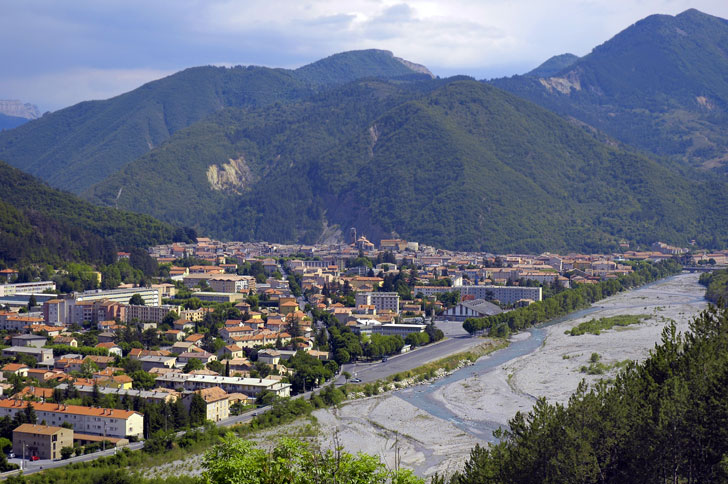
{"points": [[450, 162], [39, 224], [663, 420], [569, 300]]}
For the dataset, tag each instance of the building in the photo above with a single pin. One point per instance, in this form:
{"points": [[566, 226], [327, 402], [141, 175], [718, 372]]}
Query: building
{"points": [[507, 295], [153, 396], [382, 301], [398, 329], [17, 322], [44, 356], [149, 362], [97, 421], [34, 340], [149, 313], [216, 400], [42, 441], [231, 384], [150, 296], [222, 282], [26, 288], [220, 297], [478, 308]]}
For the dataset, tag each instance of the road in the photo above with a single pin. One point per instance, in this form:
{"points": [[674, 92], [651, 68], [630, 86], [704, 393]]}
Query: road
{"points": [[457, 340]]}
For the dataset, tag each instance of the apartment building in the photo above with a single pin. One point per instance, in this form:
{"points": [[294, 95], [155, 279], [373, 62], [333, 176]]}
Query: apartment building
{"points": [[43, 441], [216, 400], [150, 313], [504, 294], [96, 421], [150, 296], [231, 384], [25, 288], [382, 301]]}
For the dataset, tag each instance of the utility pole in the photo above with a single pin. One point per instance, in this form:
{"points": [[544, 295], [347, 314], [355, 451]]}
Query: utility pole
{"points": [[103, 442], [22, 462]]}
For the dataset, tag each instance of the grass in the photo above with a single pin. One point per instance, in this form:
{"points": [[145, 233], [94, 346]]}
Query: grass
{"points": [[596, 326]]}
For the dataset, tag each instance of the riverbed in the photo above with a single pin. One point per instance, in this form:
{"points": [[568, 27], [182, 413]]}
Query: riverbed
{"points": [[435, 425]]}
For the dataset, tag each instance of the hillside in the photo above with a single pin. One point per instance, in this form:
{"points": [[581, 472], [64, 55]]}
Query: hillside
{"points": [[79, 146], [455, 163], [10, 122], [42, 224], [553, 66], [661, 85]]}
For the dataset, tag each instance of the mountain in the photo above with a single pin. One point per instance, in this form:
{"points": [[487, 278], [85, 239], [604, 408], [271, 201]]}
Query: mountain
{"points": [[41, 224], [19, 109], [553, 66], [660, 85], [79, 146], [454, 163], [10, 122]]}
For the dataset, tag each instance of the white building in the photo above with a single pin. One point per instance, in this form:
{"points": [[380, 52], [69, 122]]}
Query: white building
{"points": [[96, 421], [25, 288], [398, 329], [382, 301], [149, 296], [504, 294], [231, 384], [478, 308]]}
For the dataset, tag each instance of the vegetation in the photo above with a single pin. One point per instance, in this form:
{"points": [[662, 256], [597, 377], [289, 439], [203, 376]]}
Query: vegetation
{"points": [[295, 462], [41, 224], [658, 421], [596, 326], [74, 148], [571, 299], [394, 142], [716, 283]]}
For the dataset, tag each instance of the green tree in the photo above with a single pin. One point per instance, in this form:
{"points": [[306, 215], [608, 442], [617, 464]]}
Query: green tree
{"points": [[193, 364], [136, 300], [198, 410], [30, 415]]}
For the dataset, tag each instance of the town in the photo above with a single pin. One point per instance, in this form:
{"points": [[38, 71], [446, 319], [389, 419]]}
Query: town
{"points": [[217, 329]]}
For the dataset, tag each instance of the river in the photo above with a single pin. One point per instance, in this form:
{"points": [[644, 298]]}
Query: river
{"points": [[678, 298]]}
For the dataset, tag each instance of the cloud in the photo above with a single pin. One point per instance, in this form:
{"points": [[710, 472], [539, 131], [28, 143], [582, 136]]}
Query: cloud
{"points": [[119, 42]]}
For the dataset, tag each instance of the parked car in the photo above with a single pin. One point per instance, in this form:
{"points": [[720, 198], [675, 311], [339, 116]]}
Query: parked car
{"points": [[355, 380], [34, 457]]}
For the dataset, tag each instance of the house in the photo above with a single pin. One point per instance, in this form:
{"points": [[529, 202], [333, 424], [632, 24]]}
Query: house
{"points": [[113, 348], [101, 361], [232, 351], [18, 369], [34, 393], [42, 441], [183, 325], [107, 337], [44, 375], [35, 340], [174, 335], [203, 356], [216, 400], [182, 347], [44, 356], [195, 339], [149, 362], [66, 340]]}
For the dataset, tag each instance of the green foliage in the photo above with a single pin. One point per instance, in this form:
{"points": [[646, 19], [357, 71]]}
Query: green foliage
{"points": [[660, 85], [659, 420], [481, 147], [40, 224], [596, 326], [572, 299], [716, 283], [239, 461]]}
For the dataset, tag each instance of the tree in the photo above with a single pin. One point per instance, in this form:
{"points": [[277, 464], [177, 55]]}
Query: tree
{"points": [[33, 303], [30, 416], [193, 364], [67, 452], [142, 380], [198, 410], [136, 300]]}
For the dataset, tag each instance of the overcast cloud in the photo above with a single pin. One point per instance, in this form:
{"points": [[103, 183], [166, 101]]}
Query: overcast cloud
{"points": [[57, 53]]}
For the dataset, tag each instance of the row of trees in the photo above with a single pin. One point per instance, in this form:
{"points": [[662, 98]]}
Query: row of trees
{"points": [[570, 300], [716, 283]]}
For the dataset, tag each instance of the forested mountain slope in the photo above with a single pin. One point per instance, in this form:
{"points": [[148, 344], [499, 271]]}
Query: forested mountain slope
{"points": [[661, 85], [42, 224], [455, 163], [74, 148]]}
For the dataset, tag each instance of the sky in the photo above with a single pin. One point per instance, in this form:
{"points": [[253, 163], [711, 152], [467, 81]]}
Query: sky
{"points": [[58, 53]]}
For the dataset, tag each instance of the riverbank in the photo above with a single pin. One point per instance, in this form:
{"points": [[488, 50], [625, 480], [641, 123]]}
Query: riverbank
{"points": [[555, 369]]}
